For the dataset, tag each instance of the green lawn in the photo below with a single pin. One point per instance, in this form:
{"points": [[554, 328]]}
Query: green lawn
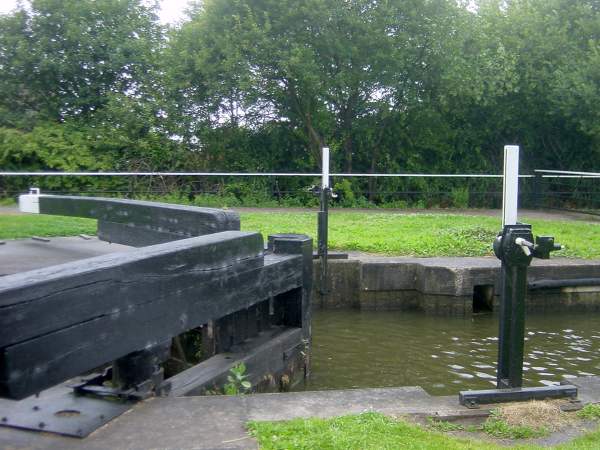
{"points": [[421, 234], [386, 234], [22, 226], [377, 432]]}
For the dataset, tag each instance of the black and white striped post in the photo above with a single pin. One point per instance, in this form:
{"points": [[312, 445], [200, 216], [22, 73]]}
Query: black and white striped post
{"points": [[515, 248], [323, 221]]}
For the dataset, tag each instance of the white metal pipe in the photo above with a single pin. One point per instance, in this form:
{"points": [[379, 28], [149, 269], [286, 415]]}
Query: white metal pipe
{"points": [[568, 172], [250, 174], [579, 177], [510, 185]]}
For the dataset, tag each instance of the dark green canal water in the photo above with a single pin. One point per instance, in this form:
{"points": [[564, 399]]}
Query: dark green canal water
{"points": [[444, 355]]}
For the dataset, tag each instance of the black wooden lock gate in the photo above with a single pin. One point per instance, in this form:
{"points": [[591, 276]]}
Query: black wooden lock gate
{"points": [[195, 267]]}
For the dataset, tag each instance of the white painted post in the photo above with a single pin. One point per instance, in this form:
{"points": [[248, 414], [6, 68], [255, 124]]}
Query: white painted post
{"points": [[510, 187], [325, 165]]}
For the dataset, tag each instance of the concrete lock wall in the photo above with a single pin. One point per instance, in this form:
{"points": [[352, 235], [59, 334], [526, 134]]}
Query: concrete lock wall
{"points": [[451, 286]]}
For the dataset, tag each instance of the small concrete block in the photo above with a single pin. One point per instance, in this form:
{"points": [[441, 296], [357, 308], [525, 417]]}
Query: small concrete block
{"points": [[588, 388], [573, 405]]}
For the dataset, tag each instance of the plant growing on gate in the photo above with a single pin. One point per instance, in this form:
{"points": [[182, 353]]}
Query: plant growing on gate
{"points": [[237, 381]]}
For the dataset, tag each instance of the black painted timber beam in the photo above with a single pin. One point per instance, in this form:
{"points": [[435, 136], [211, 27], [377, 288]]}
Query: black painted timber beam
{"points": [[141, 223], [58, 322], [563, 283], [474, 398]]}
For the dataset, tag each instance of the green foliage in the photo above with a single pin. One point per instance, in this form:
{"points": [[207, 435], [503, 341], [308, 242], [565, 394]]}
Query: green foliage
{"points": [[496, 426], [395, 204], [443, 426], [65, 58], [395, 86], [460, 197], [237, 381], [590, 412], [343, 190], [80, 91], [7, 202]]}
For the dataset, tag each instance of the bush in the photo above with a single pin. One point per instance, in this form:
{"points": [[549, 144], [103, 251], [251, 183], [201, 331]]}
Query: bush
{"points": [[460, 197], [346, 197]]}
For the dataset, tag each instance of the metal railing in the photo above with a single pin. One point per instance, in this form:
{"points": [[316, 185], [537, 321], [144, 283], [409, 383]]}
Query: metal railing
{"points": [[567, 190]]}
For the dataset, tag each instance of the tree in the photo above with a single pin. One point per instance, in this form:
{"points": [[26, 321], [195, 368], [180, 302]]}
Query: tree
{"points": [[322, 65], [550, 107], [64, 58], [82, 87]]}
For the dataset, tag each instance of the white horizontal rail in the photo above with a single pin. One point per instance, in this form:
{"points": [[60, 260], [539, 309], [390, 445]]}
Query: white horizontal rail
{"points": [[156, 174], [567, 174], [247, 174]]}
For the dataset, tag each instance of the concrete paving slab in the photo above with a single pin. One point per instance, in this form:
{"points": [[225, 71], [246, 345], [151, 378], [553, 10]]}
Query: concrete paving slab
{"points": [[218, 422], [213, 422], [589, 388], [324, 404], [21, 255]]}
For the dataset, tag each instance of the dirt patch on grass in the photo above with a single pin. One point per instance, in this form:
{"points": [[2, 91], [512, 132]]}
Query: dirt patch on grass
{"points": [[541, 423]]}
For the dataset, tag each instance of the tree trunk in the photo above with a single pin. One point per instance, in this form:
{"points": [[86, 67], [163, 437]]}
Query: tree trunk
{"points": [[348, 150], [315, 139]]}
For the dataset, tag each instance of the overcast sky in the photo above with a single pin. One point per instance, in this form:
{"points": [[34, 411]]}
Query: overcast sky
{"points": [[171, 10]]}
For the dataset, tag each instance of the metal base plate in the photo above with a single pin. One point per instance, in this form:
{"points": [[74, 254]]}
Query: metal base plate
{"points": [[472, 399], [58, 410]]}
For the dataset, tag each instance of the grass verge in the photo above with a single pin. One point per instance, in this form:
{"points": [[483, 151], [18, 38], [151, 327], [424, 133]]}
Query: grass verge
{"points": [[376, 431], [590, 412], [420, 234], [363, 431], [378, 233]]}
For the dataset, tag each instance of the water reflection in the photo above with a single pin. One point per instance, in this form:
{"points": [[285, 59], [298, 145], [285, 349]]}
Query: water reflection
{"points": [[443, 354]]}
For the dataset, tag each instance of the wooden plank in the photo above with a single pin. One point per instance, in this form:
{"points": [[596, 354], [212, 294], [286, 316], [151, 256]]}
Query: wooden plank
{"points": [[41, 362], [252, 325], [289, 306], [240, 326], [224, 334], [44, 300], [207, 342], [263, 355], [135, 236], [487, 396], [154, 220], [264, 320]]}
